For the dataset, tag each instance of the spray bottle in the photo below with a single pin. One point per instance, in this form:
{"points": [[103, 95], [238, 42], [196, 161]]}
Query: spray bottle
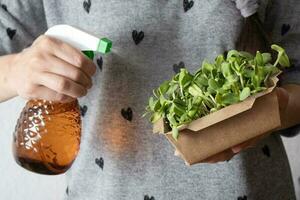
{"points": [[47, 134]]}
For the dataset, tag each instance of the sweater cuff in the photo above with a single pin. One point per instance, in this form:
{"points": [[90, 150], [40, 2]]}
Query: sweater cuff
{"points": [[291, 132]]}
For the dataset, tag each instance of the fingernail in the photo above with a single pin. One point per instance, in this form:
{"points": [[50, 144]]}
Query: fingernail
{"points": [[236, 150], [176, 153], [186, 163]]}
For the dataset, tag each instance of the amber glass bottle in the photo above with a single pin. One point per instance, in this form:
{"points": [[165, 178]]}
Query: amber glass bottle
{"points": [[47, 136]]}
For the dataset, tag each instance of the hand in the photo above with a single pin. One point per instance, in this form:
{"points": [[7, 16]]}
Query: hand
{"points": [[283, 99], [227, 154], [52, 70]]}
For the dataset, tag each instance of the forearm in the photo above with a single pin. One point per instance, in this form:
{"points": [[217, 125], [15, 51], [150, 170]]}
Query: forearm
{"points": [[6, 92], [291, 115]]}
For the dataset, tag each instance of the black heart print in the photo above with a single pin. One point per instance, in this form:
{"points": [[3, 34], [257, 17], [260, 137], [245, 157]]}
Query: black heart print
{"points": [[100, 162], [87, 5], [146, 197], [285, 28], [100, 63], [266, 151], [177, 67], [11, 33], [137, 36], [127, 113], [83, 110], [242, 198], [4, 7], [187, 5]]}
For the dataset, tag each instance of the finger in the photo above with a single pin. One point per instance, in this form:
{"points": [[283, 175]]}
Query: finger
{"points": [[42, 92], [283, 98], [186, 163], [75, 57], [60, 67], [176, 153], [61, 84], [225, 155], [219, 158], [238, 148], [248, 144], [66, 52]]}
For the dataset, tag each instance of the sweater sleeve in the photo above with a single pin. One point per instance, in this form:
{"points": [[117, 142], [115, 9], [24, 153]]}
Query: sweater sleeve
{"points": [[20, 23], [286, 33]]}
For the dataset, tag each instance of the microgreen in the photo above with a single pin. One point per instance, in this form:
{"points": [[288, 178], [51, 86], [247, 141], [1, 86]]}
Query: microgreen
{"points": [[226, 81]]}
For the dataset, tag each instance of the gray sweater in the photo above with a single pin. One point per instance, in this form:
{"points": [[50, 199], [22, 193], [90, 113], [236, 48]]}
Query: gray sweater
{"points": [[119, 157]]}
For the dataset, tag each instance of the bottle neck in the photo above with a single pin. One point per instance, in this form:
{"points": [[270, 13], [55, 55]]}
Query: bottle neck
{"points": [[51, 107]]}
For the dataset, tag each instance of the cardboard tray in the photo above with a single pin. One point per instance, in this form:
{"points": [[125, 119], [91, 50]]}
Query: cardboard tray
{"points": [[232, 125]]}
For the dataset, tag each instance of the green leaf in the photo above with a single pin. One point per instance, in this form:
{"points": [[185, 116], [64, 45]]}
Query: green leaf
{"points": [[151, 103], [155, 117], [226, 69], [232, 53], [284, 60], [227, 86], [201, 81], [229, 98], [184, 118], [259, 58], [271, 69], [177, 109], [172, 120], [207, 68], [154, 104], [156, 93], [282, 57], [256, 81], [266, 57], [248, 73], [246, 55], [175, 133], [163, 88], [213, 84], [232, 78], [184, 78], [219, 60], [172, 89], [162, 100], [245, 93], [192, 113], [195, 91]]}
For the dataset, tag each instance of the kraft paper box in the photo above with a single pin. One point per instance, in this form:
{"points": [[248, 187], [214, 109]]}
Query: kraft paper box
{"points": [[232, 125]]}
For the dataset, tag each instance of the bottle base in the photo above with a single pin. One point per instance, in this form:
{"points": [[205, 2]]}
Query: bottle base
{"points": [[40, 167]]}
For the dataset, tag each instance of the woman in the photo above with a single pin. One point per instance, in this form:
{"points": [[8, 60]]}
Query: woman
{"points": [[119, 157]]}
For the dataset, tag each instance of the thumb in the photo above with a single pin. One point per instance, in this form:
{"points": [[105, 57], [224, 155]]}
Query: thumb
{"points": [[283, 98]]}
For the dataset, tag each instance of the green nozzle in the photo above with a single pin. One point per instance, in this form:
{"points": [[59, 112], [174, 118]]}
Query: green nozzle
{"points": [[89, 54], [104, 45]]}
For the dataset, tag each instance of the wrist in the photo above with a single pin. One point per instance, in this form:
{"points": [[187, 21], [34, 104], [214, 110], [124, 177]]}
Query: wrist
{"points": [[290, 116], [8, 88]]}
